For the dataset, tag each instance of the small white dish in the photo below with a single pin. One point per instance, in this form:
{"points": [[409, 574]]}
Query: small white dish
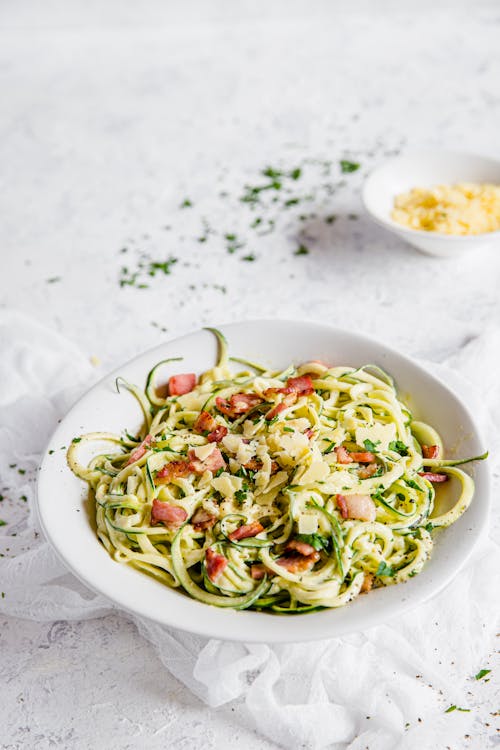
{"points": [[67, 514], [426, 168]]}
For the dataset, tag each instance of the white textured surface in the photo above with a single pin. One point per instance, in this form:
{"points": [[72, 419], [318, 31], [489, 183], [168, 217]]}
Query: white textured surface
{"points": [[110, 117]]}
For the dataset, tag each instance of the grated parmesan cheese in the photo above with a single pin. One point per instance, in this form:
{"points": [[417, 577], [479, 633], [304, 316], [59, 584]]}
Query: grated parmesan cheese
{"points": [[465, 208]]}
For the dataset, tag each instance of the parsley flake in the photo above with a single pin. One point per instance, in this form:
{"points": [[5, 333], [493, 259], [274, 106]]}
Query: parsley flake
{"points": [[348, 166]]}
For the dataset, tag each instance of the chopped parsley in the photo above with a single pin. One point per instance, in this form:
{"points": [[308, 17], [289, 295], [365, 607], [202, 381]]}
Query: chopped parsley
{"points": [[76, 440], [482, 673], [370, 445], [399, 447], [385, 570], [302, 250], [3, 523], [53, 280], [249, 258], [186, 203], [456, 708], [348, 166], [317, 541]]}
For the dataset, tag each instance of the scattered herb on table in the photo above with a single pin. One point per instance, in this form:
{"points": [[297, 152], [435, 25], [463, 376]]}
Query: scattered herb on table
{"points": [[301, 250], [482, 673], [348, 166], [53, 279]]}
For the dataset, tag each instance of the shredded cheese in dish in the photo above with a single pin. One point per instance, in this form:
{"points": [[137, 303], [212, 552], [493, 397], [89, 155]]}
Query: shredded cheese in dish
{"points": [[460, 209], [281, 491]]}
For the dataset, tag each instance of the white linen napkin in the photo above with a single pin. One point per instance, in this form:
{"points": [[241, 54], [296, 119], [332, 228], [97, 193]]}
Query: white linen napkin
{"points": [[384, 689]]}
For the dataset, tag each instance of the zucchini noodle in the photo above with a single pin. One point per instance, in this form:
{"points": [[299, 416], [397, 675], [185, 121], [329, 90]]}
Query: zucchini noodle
{"points": [[285, 491]]}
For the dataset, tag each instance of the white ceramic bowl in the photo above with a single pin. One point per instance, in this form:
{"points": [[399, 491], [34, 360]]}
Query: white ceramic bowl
{"points": [[67, 515], [426, 168]]}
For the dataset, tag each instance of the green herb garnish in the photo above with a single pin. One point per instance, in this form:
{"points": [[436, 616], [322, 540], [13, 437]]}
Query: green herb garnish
{"points": [[399, 447], [385, 570], [348, 166], [302, 250], [482, 673], [317, 541]]}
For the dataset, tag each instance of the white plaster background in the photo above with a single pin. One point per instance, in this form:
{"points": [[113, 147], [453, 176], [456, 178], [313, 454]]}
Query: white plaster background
{"points": [[110, 115]]}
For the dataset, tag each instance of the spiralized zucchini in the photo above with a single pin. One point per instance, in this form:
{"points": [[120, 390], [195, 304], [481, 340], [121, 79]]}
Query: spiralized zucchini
{"points": [[282, 491]]}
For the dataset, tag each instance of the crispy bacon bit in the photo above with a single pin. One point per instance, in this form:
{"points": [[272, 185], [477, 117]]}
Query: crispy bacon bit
{"points": [[430, 451], [141, 449], [170, 515], [215, 564], [204, 423], [367, 583], [246, 531], [216, 435], [364, 457], [309, 432], [255, 464], [288, 400], [258, 571], [343, 455], [239, 403], [178, 385], [298, 563], [202, 520], [342, 506], [367, 471], [302, 385], [301, 547], [213, 462], [361, 507], [431, 477], [172, 470]]}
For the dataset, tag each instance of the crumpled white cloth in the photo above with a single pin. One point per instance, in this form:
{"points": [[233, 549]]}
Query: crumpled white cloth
{"points": [[365, 690]]}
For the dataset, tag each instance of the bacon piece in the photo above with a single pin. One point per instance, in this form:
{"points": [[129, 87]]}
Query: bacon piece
{"points": [[216, 435], [364, 457], [178, 385], [342, 506], [246, 531], [172, 470], [431, 477], [141, 449], [367, 471], [301, 547], [298, 563], [213, 462], [170, 515], [430, 451], [302, 385], [204, 423], [258, 571], [202, 520], [288, 400], [367, 583], [239, 403], [215, 564], [361, 507], [255, 464], [343, 455]]}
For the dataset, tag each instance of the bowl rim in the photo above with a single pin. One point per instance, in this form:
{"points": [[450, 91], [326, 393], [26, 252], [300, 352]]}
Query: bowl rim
{"points": [[225, 630], [389, 223]]}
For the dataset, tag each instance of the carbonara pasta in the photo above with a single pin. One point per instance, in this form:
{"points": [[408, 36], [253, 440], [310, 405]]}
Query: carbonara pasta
{"points": [[281, 491]]}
